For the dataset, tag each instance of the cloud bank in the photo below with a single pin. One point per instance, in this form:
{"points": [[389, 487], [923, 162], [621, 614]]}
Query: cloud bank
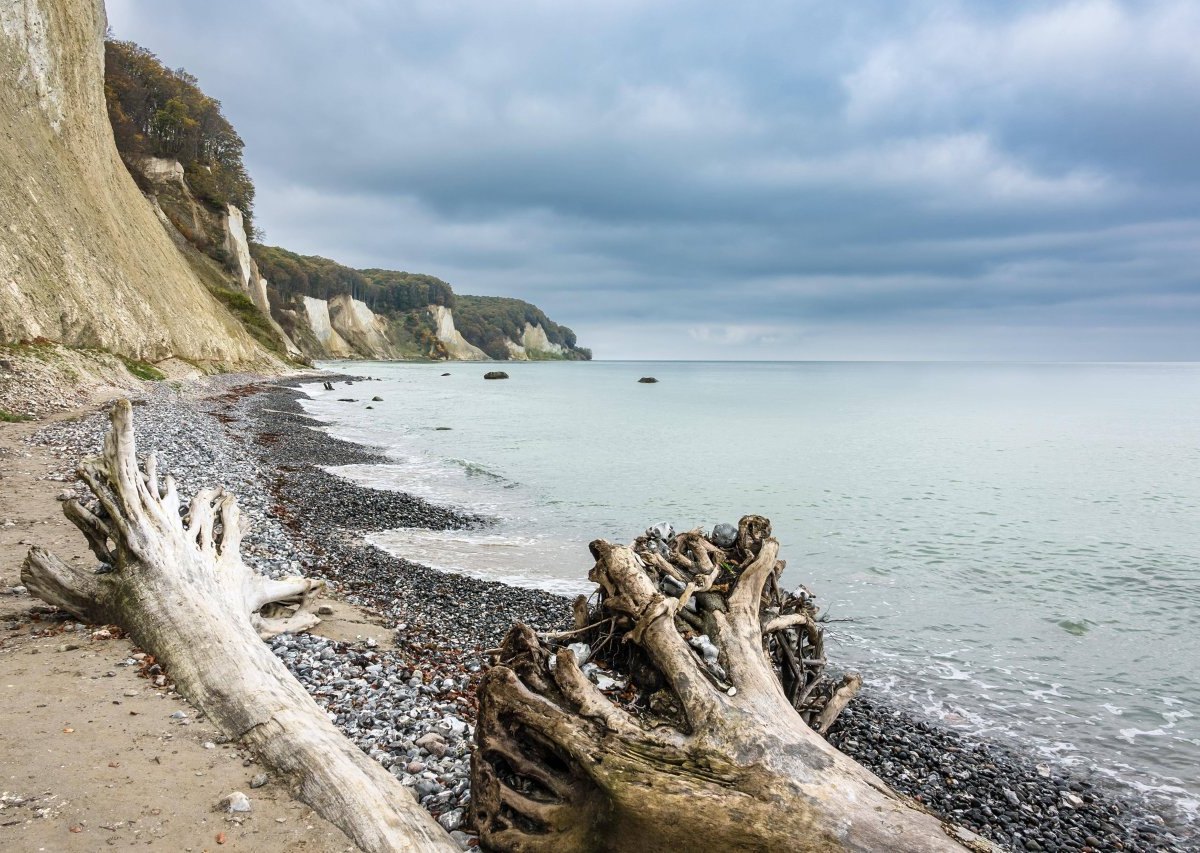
{"points": [[1010, 180]]}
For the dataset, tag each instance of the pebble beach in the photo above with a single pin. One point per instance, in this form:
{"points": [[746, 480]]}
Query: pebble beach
{"points": [[411, 706]]}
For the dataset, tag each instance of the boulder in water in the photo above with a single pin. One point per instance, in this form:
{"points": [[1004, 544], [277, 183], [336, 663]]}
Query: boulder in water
{"points": [[647, 380], [495, 374]]}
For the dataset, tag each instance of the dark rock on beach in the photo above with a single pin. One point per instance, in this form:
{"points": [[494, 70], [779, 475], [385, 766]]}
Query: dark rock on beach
{"points": [[495, 374], [647, 380]]}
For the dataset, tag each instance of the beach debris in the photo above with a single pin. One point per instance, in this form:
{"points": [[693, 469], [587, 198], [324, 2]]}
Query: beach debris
{"points": [[495, 374], [179, 579], [690, 654], [234, 803]]}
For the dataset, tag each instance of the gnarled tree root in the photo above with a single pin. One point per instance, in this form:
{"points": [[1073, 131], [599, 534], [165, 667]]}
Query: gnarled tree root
{"points": [[563, 766], [179, 587]]}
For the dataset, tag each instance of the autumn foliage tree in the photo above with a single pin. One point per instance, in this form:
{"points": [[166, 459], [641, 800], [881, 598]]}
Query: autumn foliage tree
{"points": [[156, 111]]}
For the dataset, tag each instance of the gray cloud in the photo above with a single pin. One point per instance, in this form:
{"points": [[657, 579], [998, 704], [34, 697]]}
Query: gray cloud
{"points": [[926, 180]]}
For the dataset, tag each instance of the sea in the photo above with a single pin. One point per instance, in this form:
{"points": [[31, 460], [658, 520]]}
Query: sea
{"points": [[1013, 549]]}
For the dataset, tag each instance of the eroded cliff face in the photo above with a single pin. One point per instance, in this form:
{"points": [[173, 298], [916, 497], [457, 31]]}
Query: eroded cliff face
{"points": [[534, 345], [84, 259], [457, 347], [344, 327]]}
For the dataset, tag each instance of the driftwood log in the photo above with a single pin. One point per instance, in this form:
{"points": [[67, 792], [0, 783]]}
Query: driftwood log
{"points": [[698, 731], [176, 582]]}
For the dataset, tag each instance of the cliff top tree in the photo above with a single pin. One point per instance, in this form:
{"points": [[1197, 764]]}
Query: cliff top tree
{"points": [[156, 111]]}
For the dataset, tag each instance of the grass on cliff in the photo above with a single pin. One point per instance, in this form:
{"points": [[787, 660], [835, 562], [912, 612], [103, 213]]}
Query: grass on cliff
{"points": [[7, 417], [142, 369], [243, 308]]}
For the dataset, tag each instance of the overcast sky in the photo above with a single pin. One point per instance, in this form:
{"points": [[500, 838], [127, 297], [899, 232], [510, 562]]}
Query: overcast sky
{"points": [[860, 180]]}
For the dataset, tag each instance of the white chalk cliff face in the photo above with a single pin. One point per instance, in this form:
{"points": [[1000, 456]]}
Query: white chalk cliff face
{"points": [[317, 313], [237, 245], [534, 338], [163, 171], [457, 347], [84, 258], [534, 342], [361, 328]]}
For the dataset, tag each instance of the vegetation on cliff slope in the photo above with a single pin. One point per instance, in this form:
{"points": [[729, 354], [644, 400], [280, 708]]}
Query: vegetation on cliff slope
{"points": [[160, 112], [487, 321], [383, 291]]}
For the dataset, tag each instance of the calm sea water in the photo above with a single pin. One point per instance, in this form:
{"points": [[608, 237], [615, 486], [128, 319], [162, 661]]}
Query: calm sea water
{"points": [[1016, 548]]}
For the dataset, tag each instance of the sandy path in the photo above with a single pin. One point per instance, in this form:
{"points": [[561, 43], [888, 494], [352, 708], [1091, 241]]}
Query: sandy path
{"points": [[90, 756]]}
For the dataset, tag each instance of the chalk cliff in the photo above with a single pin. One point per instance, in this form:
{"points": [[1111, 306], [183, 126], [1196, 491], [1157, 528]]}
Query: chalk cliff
{"points": [[108, 243], [84, 258]]}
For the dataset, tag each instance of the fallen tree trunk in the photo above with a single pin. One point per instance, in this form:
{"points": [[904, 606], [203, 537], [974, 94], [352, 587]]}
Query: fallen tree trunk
{"points": [[699, 737], [178, 586]]}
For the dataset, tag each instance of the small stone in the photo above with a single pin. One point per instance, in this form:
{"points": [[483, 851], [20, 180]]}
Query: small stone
{"points": [[179, 715], [259, 780], [581, 651], [724, 535], [461, 839], [234, 803], [451, 820], [377, 399], [324, 610], [66, 495], [647, 380], [208, 744], [68, 647], [662, 530], [429, 738]]}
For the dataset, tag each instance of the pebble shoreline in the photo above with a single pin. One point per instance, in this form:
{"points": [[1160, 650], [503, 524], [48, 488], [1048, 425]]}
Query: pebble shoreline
{"points": [[412, 707]]}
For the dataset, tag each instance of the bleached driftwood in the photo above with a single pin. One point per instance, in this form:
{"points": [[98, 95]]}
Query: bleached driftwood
{"points": [[179, 587], [704, 747]]}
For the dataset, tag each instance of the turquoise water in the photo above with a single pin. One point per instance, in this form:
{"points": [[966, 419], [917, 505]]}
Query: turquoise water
{"points": [[1016, 548]]}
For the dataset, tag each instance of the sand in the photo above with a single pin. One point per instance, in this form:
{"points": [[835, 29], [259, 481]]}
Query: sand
{"points": [[90, 755]]}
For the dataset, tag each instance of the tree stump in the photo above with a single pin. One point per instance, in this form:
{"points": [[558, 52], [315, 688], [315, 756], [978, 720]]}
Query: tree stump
{"points": [[704, 737]]}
